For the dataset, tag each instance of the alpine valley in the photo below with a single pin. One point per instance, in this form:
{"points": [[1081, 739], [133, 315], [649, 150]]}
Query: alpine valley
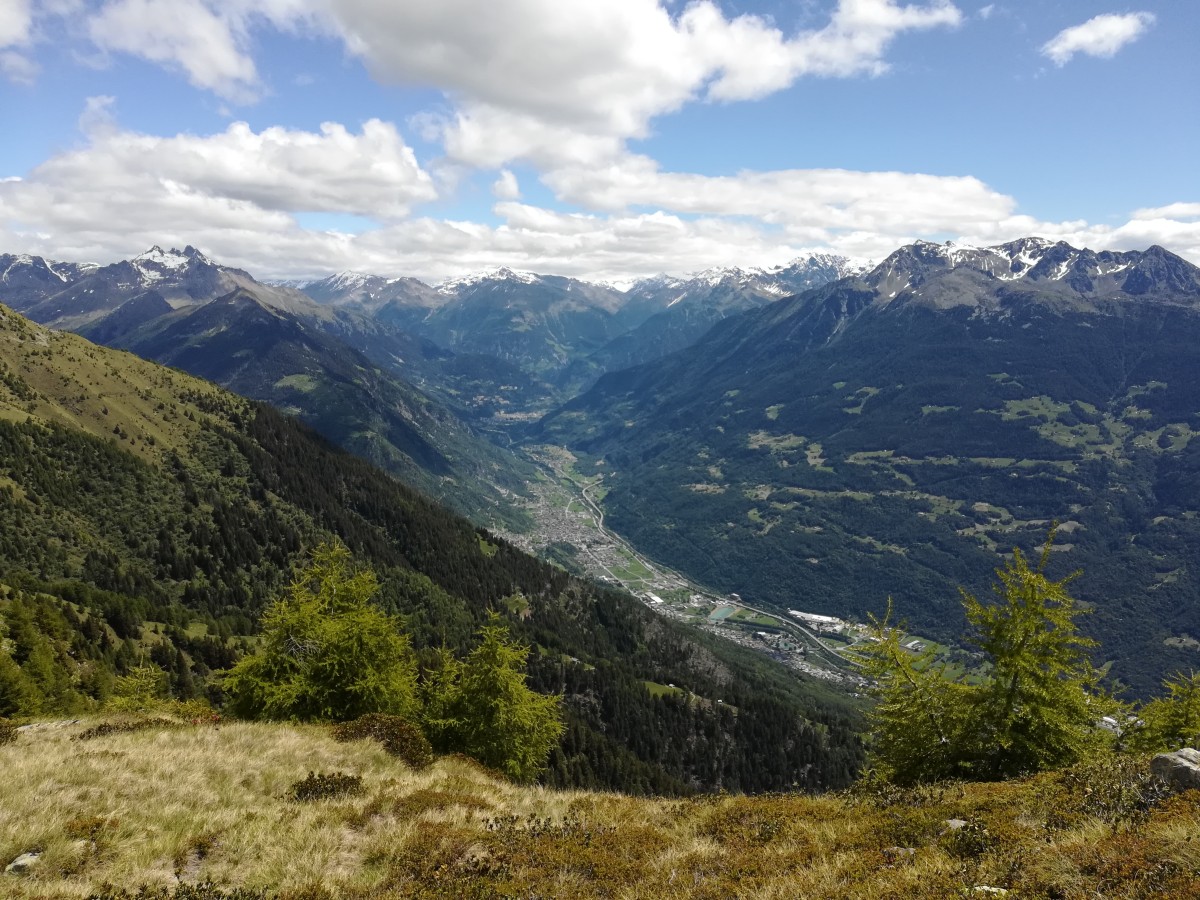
{"points": [[820, 436]]}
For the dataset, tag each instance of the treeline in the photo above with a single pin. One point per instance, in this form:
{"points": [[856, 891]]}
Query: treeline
{"points": [[212, 534]]}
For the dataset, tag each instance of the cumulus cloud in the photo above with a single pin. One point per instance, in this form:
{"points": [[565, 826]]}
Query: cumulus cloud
{"points": [[506, 186], [16, 18], [828, 201], [208, 40], [16, 24], [124, 189], [186, 34], [235, 194], [539, 78], [1101, 36]]}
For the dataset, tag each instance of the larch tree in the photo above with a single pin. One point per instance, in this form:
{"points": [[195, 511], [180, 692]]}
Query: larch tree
{"points": [[1038, 708]]}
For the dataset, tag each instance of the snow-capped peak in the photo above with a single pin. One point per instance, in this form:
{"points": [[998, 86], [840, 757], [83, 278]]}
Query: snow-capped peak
{"points": [[717, 274], [36, 262], [166, 259], [503, 273], [349, 280]]}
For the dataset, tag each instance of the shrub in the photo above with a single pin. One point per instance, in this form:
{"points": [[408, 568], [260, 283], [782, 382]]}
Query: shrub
{"points": [[104, 729], [8, 732], [1116, 789], [204, 891], [399, 737], [326, 786]]}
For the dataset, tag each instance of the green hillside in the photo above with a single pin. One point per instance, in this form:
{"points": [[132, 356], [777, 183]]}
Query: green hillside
{"points": [[146, 513], [832, 450]]}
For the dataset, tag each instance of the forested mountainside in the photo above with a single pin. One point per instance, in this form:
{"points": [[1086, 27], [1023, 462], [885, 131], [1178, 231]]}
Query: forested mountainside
{"points": [[889, 435], [144, 512], [346, 374]]}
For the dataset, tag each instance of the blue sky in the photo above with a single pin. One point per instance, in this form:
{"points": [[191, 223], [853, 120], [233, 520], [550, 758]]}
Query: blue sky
{"points": [[599, 138]]}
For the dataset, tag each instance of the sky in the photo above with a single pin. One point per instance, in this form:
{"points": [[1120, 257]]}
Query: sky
{"points": [[602, 139]]}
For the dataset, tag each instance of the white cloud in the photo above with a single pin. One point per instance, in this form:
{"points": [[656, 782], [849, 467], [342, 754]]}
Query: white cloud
{"points": [[16, 19], [16, 25], [1170, 211], [17, 66], [1100, 36], [506, 186], [537, 79], [985, 12], [826, 202], [187, 34], [124, 189], [234, 195]]}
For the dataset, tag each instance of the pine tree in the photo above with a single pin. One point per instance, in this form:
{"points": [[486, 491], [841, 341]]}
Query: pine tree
{"points": [[1173, 721]]}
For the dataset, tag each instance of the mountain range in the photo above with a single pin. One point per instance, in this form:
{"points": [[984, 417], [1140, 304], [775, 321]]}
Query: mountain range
{"points": [[818, 436], [890, 434]]}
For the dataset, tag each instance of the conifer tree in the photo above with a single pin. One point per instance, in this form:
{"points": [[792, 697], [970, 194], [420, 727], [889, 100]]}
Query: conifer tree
{"points": [[1039, 708], [327, 652], [1172, 721], [483, 707]]}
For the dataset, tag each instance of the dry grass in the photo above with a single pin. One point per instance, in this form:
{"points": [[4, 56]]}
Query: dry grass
{"points": [[189, 804]]}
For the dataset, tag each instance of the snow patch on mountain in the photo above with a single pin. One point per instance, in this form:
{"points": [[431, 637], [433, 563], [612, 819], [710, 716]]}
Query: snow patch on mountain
{"points": [[501, 274]]}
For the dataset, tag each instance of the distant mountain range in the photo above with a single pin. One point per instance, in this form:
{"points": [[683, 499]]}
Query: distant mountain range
{"points": [[889, 434], [349, 376], [499, 349], [821, 435]]}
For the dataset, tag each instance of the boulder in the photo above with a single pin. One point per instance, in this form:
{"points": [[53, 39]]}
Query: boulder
{"points": [[1180, 770], [21, 864]]}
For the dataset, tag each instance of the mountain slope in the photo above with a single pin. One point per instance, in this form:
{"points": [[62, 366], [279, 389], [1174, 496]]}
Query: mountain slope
{"points": [[84, 294], [539, 322], [294, 364], [889, 435], [139, 494]]}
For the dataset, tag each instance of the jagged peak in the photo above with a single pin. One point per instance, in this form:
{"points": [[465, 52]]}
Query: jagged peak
{"points": [[170, 259], [501, 273]]}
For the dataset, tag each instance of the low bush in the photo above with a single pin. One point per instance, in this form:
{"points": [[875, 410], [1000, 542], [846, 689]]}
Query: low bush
{"points": [[124, 726], [8, 732], [400, 737], [326, 786], [203, 891]]}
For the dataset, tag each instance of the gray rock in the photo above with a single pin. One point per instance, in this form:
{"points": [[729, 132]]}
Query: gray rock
{"points": [[1180, 770], [955, 825], [21, 864]]}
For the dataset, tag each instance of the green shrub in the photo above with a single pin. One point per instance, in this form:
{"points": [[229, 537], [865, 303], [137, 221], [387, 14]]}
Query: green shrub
{"points": [[400, 737], [326, 786], [8, 732], [1116, 789]]}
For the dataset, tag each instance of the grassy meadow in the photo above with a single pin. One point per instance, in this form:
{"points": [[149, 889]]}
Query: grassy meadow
{"points": [[173, 804]]}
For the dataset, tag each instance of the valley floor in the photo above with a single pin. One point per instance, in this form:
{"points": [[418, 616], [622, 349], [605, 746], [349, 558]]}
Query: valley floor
{"points": [[181, 804]]}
